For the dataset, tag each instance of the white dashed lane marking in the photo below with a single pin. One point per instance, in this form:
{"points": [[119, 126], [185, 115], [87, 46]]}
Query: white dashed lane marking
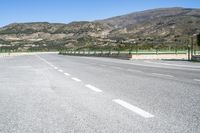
{"points": [[76, 79], [93, 88], [133, 108], [60, 70], [67, 74], [118, 101]]}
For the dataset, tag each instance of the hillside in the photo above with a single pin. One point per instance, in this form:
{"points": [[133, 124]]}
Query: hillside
{"points": [[167, 27], [52, 35]]}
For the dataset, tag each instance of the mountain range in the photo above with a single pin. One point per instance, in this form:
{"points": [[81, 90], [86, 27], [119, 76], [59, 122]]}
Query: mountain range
{"points": [[156, 28]]}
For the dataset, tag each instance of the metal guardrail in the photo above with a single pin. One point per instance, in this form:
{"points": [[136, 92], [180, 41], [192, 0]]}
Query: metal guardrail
{"points": [[113, 54], [124, 52]]}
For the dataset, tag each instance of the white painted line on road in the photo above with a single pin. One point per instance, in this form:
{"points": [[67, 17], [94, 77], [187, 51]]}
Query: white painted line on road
{"points": [[67, 74], [93, 88], [159, 74], [103, 65], [197, 80], [167, 64], [138, 64], [43, 60], [133, 70], [133, 108], [115, 67], [46, 61], [76, 79], [60, 70]]}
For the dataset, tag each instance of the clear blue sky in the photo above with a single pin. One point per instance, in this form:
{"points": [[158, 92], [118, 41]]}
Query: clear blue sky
{"points": [[65, 11]]}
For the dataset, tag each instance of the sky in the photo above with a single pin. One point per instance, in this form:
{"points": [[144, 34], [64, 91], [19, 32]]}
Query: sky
{"points": [[65, 11]]}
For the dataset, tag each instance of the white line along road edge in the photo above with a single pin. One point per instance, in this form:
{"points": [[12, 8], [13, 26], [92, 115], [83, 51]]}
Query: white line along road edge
{"points": [[133, 108], [76, 79], [165, 75], [197, 80], [93, 88]]}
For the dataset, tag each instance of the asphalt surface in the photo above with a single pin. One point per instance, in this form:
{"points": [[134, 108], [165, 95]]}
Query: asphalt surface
{"points": [[60, 94]]}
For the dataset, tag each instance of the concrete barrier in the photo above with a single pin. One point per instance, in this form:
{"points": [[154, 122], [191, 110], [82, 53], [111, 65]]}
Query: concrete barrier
{"points": [[196, 58], [24, 53], [160, 56], [126, 55]]}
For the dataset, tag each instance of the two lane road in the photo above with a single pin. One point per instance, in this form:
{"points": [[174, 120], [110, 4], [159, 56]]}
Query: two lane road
{"points": [[55, 93]]}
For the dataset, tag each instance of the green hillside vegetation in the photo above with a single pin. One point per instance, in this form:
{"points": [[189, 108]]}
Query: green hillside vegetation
{"points": [[168, 28]]}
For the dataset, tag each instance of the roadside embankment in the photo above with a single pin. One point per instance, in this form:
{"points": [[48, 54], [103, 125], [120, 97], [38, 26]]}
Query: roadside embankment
{"points": [[160, 56]]}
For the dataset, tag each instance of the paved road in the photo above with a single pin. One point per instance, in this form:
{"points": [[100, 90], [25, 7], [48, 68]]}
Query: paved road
{"points": [[60, 94]]}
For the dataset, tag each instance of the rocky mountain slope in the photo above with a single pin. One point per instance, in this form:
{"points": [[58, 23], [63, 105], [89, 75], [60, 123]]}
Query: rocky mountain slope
{"points": [[168, 27]]}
